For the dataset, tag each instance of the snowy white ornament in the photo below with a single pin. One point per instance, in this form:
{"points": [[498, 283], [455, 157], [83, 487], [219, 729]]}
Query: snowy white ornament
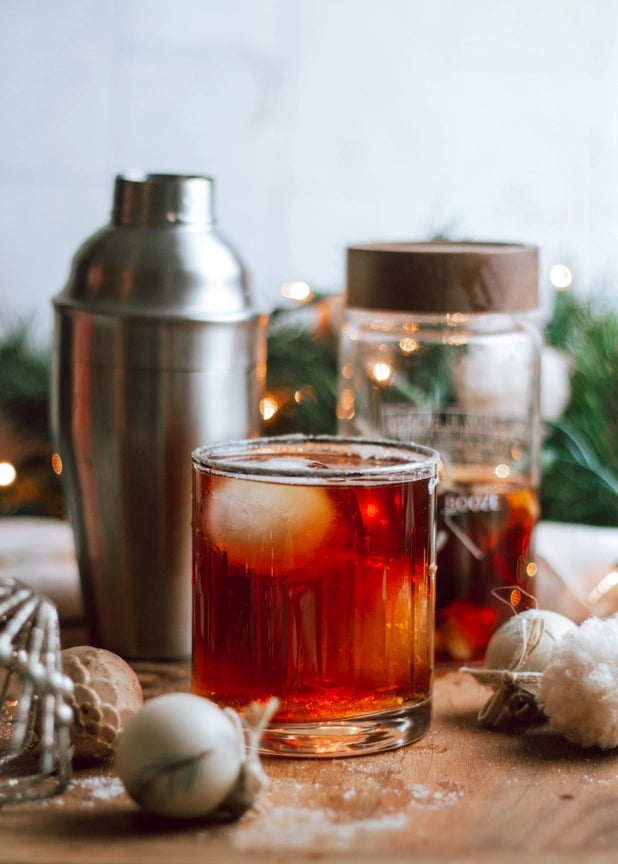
{"points": [[183, 757], [579, 688], [491, 388], [556, 369]]}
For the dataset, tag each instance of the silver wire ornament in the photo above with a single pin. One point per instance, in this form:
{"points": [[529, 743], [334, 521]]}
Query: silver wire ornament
{"points": [[35, 748]]}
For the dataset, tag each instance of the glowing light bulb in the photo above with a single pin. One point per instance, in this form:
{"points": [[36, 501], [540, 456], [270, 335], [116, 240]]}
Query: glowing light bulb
{"points": [[381, 372], [345, 404], [606, 584], [515, 598], [268, 407], [8, 473], [297, 290], [502, 471], [560, 276], [408, 345]]}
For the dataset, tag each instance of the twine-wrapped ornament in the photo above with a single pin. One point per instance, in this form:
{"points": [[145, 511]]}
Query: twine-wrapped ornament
{"points": [[548, 668], [183, 757], [516, 656]]}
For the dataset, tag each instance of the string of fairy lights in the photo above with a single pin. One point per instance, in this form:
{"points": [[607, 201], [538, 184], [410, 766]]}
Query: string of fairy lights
{"points": [[301, 293], [300, 394]]}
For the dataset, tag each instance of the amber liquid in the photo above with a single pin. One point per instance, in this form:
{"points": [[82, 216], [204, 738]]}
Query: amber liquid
{"points": [[485, 568], [335, 620]]}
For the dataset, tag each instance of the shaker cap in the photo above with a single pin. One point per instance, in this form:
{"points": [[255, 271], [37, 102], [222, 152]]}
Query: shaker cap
{"points": [[159, 199], [443, 277]]}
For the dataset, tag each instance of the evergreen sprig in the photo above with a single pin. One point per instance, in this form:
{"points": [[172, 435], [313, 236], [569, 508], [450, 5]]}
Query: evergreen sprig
{"points": [[24, 382], [25, 435], [580, 451], [302, 369]]}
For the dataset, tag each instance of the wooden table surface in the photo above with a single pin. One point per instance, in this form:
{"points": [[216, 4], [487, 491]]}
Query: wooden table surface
{"points": [[461, 794]]}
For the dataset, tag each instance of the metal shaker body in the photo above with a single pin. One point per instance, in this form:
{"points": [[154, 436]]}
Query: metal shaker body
{"points": [[158, 348]]}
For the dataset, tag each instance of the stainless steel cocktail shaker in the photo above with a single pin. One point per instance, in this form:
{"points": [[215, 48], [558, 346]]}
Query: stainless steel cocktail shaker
{"points": [[159, 347]]}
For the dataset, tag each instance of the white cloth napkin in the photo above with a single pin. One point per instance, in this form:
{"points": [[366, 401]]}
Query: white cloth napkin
{"points": [[578, 569], [40, 553]]}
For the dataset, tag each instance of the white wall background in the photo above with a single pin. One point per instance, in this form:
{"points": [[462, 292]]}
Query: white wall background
{"points": [[323, 122]]}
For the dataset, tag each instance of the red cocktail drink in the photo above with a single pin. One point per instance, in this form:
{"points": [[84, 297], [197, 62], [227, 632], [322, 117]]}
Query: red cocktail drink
{"points": [[313, 581]]}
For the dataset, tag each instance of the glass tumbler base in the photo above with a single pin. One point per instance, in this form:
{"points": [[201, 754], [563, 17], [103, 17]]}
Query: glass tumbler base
{"points": [[350, 736]]}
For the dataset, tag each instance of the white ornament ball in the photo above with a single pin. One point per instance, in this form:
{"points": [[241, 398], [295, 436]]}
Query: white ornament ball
{"points": [[579, 688], [106, 693], [180, 755], [537, 630]]}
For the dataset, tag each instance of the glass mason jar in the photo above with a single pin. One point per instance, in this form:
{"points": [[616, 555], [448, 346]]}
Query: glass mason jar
{"points": [[438, 347]]}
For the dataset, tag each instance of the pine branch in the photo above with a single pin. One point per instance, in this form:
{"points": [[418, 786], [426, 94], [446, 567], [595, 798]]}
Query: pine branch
{"points": [[580, 453], [24, 382]]}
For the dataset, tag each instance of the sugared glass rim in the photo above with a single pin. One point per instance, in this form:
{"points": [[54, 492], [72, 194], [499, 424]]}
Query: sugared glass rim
{"points": [[414, 461]]}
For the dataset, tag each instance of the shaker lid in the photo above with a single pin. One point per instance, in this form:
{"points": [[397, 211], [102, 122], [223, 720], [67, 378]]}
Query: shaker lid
{"points": [[160, 259], [159, 199], [439, 276]]}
